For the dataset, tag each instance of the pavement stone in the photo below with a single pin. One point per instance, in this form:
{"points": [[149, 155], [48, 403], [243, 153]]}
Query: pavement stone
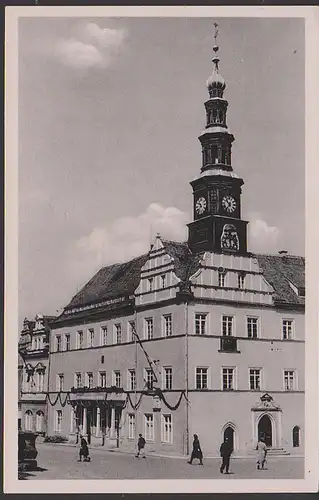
{"points": [[61, 462]]}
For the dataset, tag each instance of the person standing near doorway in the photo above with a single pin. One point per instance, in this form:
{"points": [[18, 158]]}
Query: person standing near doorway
{"points": [[140, 447], [226, 450], [197, 451], [261, 453]]}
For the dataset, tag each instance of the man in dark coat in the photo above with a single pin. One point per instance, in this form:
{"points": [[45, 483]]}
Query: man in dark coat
{"points": [[226, 450], [140, 446], [197, 451]]}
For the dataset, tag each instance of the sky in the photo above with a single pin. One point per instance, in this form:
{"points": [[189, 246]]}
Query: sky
{"points": [[110, 110]]}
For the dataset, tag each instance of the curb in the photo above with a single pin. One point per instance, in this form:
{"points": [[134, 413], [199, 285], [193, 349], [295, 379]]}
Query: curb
{"points": [[160, 455]]}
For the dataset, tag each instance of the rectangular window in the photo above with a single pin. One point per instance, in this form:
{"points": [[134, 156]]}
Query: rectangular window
{"points": [[149, 378], [60, 382], [149, 427], [118, 333], [167, 429], [40, 385], [252, 327], [117, 379], [221, 279], [91, 337], [168, 377], [228, 379], [58, 420], [58, 343], [79, 339], [201, 378], [89, 380], [227, 325], [150, 284], [131, 380], [67, 342], [254, 379], [78, 380], [241, 281], [102, 379], [131, 426], [149, 328], [103, 335], [287, 329], [167, 325], [289, 380], [131, 331], [200, 324], [163, 280]]}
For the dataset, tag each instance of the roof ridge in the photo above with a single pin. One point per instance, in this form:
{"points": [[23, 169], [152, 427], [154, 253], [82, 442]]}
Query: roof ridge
{"points": [[285, 256], [125, 262]]}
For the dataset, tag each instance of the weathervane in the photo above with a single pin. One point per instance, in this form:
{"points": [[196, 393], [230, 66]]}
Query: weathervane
{"points": [[216, 32]]}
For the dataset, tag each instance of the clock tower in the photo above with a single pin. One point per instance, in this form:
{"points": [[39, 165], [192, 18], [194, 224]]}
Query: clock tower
{"points": [[217, 224]]}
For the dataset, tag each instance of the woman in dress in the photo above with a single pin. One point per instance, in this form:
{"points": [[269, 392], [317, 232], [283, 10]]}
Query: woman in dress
{"points": [[261, 453], [84, 451]]}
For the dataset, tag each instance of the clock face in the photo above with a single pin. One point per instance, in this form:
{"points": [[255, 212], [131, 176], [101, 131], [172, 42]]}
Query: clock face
{"points": [[229, 203], [201, 205]]}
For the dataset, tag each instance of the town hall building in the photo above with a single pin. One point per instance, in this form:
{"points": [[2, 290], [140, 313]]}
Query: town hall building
{"points": [[197, 337]]}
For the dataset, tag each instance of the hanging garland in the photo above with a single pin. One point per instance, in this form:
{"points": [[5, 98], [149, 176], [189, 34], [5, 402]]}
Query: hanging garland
{"points": [[172, 408], [135, 407], [157, 392], [59, 398]]}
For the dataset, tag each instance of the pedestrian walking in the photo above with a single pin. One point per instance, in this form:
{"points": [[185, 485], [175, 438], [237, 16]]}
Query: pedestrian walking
{"points": [[261, 453], [226, 450], [84, 451], [197, 451], [140, 446]]}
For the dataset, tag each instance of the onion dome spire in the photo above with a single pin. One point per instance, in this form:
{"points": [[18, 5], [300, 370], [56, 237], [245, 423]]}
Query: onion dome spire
{"points": [[216, 83]]}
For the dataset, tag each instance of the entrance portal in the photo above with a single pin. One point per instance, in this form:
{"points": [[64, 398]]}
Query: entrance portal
{"points": [[229, 434], [265, 430]]}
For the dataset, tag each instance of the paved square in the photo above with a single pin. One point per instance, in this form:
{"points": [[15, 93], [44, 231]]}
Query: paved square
{"points": [[61, 462]]}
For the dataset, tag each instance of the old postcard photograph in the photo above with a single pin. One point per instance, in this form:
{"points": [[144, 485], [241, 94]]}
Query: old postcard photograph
{"points": [[161, 334]]}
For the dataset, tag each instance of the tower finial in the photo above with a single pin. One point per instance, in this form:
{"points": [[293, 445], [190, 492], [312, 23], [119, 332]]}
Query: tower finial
{"points": [[216, 48], [216, 33]]}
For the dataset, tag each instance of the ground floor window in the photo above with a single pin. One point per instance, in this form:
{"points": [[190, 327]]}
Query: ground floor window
{"points": [[28, 417], [131, 426], [39, 421], [167, 429], [149, 427], [296, 437], [58, 421]]}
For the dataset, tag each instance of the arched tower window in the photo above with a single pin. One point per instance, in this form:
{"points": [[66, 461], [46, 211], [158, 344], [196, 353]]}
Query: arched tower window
{"points": [[39, 421], [28, 417], [296, 436]]}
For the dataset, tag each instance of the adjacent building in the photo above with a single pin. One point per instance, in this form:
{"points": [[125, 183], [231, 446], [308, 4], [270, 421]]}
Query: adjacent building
{"points": [[197, 337], [33, 373]]}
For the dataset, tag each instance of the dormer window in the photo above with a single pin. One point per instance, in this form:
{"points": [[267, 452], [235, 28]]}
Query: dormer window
{"points": [[299, 290]]}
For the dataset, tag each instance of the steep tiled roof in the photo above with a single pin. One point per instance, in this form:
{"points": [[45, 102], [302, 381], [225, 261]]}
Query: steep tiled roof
{"points": [[182, 256], [278, 271], [110, 282], [122, 279]]}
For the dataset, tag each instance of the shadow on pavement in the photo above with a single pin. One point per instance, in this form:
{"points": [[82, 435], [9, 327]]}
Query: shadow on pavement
{"points": [[24, 474]]}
